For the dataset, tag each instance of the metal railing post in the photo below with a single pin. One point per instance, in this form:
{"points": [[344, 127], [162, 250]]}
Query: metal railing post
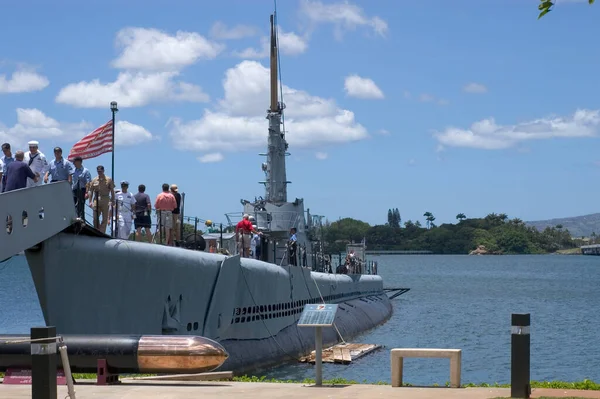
{"points": [[195, 231]]}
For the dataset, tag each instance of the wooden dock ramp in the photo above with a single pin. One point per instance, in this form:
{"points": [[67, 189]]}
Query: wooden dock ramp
{"points": [[342, 353]]}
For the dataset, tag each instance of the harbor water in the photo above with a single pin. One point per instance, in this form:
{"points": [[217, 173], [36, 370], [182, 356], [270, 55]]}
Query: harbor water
{"points": [[462, 302]]}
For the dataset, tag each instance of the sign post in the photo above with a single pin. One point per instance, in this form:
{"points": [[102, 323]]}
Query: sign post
{"points": [[318, 316]]}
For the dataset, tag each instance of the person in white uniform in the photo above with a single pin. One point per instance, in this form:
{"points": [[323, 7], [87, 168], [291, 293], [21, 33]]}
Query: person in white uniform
{"points": [[125, 210], [37, 162]]}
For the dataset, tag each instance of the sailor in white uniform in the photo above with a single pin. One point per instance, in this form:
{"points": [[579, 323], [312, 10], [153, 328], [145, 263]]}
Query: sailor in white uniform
{"points": [[37, 162], [125, 210]]}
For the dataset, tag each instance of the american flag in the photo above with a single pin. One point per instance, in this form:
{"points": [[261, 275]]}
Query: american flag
{"points": [[94, 144]]}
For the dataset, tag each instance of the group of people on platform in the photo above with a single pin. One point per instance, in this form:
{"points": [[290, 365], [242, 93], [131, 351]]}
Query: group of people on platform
{"points": [[31, 168]]}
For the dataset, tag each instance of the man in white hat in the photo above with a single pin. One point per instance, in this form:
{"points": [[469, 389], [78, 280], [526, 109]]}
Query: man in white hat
{"points": [[37, 162], [125, 202]]}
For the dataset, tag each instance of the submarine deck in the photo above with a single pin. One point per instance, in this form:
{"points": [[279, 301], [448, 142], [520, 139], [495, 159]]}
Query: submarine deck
{"points": [[248, 390]]}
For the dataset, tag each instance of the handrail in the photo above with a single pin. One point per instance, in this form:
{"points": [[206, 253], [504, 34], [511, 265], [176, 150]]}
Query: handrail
{"points": [[199, 224]]}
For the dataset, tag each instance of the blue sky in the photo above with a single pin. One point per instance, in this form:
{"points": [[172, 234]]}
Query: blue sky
{"points": [[463, 106]]}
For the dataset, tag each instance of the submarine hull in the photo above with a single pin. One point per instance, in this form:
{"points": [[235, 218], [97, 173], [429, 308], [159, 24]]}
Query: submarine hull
{"points": [[249, 306]]}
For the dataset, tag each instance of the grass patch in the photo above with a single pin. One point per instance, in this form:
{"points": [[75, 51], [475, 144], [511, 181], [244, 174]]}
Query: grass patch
{"points": [[585, 385]]}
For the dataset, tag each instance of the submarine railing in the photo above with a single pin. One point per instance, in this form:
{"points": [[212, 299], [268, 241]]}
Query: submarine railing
{"points": [[191, 240]]}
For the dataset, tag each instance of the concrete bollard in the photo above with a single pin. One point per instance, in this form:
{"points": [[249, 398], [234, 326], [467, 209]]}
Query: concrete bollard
{"points": [[520, 356]]}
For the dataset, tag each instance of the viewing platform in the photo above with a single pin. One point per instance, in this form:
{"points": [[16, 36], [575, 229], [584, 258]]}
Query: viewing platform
{"points": [[397, 252]]}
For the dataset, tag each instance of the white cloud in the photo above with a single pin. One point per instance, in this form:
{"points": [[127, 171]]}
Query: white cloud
{"points": [[384, 132], [321, 155], [23, 81], [365, 88], [33, 124], [488, 135], [475, 88], [344, 16], [152, 60], [429, 98], [289, 44], [126, 133], [131, 90], [151, 49], [238, 120], [220, 31], [212, 157]]}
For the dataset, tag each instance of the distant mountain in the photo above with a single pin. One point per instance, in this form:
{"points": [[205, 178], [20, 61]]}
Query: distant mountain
{"points": [[579, 226]]}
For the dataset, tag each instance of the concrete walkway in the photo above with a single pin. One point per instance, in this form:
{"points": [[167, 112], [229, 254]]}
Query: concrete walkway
{"points": [[244, 390]]}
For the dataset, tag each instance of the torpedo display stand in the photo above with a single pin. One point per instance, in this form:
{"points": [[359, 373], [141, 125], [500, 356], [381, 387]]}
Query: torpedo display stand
{"points": [[318, 316], [520, 356], [43, 363]]}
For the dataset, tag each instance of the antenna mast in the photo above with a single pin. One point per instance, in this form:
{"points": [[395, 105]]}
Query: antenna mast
{"points": [[275, 170]]}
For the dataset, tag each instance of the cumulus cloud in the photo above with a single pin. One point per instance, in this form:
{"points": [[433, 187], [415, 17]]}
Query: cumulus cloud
{"points": [[220, 31], [237, 122], [152, 60], [487, 134], [131, 90], [475, 88], [289, 44], [343, 15], [127, 133], [33, 124], [365, 88], [210, 158], [23, 81], [152, 49]]}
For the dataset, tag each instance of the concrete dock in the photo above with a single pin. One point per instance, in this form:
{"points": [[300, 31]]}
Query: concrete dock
{"points": [[250, 390]]}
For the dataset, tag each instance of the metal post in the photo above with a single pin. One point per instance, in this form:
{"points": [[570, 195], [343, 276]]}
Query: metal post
{"points": [[62, 349], [195, 231], [221, 239], [43, 363], [114, 110], [181, 218], [318, 356], [520, 356]]}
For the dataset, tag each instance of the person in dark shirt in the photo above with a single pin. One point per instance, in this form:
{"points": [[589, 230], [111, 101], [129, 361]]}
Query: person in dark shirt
{"points": [[143, 208], [176, 214], [17, 173]]}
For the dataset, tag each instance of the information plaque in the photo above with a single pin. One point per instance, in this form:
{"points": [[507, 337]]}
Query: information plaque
{"points": [[321, 315]]}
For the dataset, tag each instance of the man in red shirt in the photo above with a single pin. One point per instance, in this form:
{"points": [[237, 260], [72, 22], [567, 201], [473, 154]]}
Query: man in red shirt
{"points": [[245, 228], [164, 205]]}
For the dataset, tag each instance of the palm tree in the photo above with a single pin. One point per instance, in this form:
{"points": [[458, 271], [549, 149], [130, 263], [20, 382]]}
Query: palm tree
{"points": [[427, 215], [460, 217], [429, 218]]}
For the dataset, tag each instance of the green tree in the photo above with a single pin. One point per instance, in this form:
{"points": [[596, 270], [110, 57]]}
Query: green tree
{"points": [[390, 217], [397, 219], [460, 217], [545, 7], [429, 218]]}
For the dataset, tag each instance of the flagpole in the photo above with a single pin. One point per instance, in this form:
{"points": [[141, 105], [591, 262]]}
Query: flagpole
{"points": [[114, 110]]}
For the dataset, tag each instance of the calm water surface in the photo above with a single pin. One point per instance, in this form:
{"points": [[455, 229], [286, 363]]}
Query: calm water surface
{"points": [[454, 302]]}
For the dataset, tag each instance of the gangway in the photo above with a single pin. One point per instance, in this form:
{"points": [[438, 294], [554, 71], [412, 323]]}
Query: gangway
{"points": [[29, 216]]}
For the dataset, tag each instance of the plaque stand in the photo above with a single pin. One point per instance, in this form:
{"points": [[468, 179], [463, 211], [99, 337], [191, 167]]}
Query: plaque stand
{"points": [[318, 316]]}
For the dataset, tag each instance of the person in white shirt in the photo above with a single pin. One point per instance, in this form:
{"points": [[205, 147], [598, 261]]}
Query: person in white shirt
{"points": [[125, 210], [37, 162]]}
